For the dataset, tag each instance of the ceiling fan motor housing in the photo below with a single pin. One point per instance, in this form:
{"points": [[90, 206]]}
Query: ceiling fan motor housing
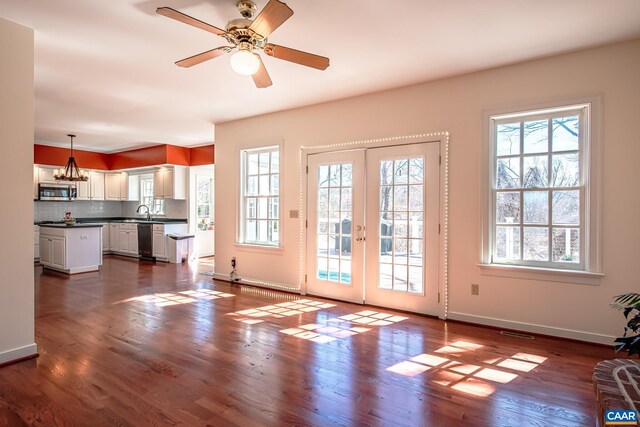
{"points": [[247, 8]]}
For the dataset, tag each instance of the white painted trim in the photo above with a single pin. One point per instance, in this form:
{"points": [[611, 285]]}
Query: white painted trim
{"points": [[18, 353], [534, 328], [593, 190], [443, 138], [73, 270], [542, 274], [256, 282]]}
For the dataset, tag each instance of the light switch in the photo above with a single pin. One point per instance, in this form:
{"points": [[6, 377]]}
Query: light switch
{"points": [[294, 214]]}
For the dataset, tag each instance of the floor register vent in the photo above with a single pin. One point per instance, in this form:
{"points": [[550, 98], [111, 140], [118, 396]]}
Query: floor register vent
{"points": [[516, 335]]}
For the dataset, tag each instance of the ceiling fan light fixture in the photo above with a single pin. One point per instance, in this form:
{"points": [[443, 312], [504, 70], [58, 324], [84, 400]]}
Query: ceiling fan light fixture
{"points": [[245, 62]]}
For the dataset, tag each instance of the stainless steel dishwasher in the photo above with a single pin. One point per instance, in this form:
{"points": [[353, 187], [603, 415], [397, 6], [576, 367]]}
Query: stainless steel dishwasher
{"points": [[145, 240]]}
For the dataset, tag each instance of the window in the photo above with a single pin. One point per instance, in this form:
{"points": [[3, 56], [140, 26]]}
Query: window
{"points": [[543, 201], [146, 196], [260, 201], [204, 202]]}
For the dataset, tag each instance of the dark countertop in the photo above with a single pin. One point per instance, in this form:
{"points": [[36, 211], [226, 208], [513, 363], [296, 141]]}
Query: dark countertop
{"points": [[94, 220], [76, 225]]}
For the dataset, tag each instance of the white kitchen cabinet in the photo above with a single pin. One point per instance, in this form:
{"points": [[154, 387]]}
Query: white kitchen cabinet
{"points": [[159, 247], [127, 239], [170, 183], [83, 190], [36, 172], [105, 237], [36, 242], [45, 174], [71, 249], [113, 237], [117, 186], [96, 182], [52, 251]]}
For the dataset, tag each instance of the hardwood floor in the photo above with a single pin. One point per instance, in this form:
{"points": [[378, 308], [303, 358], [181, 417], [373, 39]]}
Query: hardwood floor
{"points": [[139, 344]]}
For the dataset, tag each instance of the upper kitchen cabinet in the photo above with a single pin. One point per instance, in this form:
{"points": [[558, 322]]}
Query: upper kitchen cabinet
{"points": [[45, 174], [96, 185], [170, 183], [121, 186]]}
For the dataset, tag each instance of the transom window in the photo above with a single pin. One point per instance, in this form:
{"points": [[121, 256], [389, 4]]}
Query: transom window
{"points": [[538, 188], [260, 196]]}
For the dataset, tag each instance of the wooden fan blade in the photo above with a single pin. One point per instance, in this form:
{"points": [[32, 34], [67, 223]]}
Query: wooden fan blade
{"points": [[186, 19], [261, 77], [297, 56], [204, 56], [271, 17]]}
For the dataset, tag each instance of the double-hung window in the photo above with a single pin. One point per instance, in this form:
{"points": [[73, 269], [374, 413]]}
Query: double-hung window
{"points": [[542, 208], [156, 206], [260, 196]]}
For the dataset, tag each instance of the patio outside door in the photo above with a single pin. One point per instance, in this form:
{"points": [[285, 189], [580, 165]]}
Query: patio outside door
{"points": [[389, 256]]}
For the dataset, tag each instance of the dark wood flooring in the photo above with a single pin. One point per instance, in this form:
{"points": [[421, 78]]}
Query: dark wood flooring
{"points": [[142, 344]]}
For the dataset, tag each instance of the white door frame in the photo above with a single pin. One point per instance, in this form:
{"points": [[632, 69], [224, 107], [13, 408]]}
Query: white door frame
{"points": [[443, 139]]}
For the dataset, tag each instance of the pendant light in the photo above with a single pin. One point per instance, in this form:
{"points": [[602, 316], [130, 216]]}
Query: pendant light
{"points": [[71, 172]]}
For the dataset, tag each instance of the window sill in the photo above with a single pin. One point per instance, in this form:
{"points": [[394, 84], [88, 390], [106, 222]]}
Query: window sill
{"points": [[260, 249], [543, 274]]}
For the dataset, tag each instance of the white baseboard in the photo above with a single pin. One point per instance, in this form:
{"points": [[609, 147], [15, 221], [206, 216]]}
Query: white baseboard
{"points": [[18, 353], [259, 283], [533, 328]]}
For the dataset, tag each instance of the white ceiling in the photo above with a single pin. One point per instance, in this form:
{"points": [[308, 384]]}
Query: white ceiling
{"points": [[105, 69]]}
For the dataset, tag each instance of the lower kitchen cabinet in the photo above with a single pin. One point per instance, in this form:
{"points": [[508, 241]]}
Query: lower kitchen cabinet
{"points": [[126, 239], [72, 249], [159, 238]]}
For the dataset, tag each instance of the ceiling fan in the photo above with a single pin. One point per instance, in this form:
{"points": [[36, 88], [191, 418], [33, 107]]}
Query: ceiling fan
{"points": [[247, 36]]}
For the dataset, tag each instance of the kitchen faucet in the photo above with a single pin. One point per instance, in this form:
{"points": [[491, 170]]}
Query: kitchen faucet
{"points": [[148, 211]]}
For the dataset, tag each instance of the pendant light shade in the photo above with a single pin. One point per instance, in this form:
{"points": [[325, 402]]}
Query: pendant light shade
{"points": [[71, 172]]}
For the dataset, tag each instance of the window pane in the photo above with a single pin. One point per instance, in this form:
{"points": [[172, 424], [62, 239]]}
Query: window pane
{"points": [[415, 198], [536, 207], [416, 170], [323, 203], [566, 245], [401, 171], [386, 172], [536, 172], [264, 185], [347, 175], [386, 198], [262, 231], [335, 174], [508, 173], [345, 202], [252, 164], [334, 199], [251, 231], [386, 276], [566, 207], [508, 243], [536, 136], [508, 208], [252, 186], [251, 208], [323, 176], [508, 139], [415, 252], [275, 161], [415, 280], [415, 226], [565, 133], [275, 184], [566, 170], [400, 251], [274, 205], [264, 163], [400, 198], [536, 244], [400, 273], [262, 208], [273, 232]]}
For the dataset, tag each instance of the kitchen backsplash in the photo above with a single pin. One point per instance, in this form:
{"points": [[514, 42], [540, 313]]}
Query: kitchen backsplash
{"points": [[173, 209], [54, 211]]}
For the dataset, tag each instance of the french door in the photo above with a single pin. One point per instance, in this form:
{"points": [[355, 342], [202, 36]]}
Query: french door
{"points": [[372, 232]]}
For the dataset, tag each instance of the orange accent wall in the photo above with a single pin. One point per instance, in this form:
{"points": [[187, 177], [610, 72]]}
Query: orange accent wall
{"points": [[149, 156], [56, 156], [178, 155], [203, 155], [142, 157]]}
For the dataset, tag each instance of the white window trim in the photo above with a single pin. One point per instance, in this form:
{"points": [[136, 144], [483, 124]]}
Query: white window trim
{"points": [[593, 195], [253, 247]]}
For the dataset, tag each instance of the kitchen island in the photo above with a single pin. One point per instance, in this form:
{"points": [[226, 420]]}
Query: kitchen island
{"points": [[71, 248]]}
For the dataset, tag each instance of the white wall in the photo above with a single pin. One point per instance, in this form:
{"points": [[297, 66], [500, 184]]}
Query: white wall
{"points": [[456, 105], [16, 187]]}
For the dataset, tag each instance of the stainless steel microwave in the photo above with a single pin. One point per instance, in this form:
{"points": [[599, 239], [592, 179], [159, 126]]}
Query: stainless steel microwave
{"points": [[57, 192]]}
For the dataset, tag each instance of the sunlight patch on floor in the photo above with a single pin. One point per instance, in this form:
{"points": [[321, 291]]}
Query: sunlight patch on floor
{"points": [[278, 311], [342, 327], [164, 299], [467, 378]]}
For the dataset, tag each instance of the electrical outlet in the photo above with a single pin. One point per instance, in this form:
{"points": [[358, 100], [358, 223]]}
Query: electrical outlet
{"points": [[233, 262], [475, 289]]}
